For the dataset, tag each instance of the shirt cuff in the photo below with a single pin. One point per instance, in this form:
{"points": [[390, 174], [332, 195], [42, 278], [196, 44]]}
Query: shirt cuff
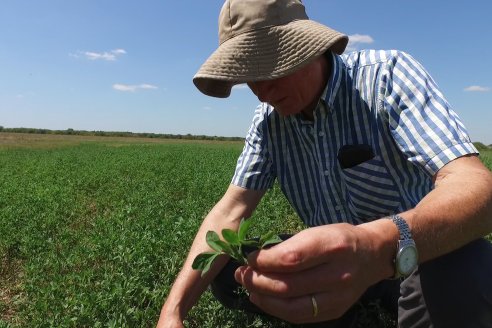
{"points": [[447, 155]]}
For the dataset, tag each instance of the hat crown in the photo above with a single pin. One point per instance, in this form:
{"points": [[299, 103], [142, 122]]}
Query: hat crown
{"points": [[240, 16]]}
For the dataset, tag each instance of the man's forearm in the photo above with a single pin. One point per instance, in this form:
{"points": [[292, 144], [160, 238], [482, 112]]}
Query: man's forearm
{"points": [[189, 285], [456, 212], [236, 204]]}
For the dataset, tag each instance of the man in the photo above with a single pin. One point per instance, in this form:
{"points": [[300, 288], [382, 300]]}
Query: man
{"points": [[371, 156]]}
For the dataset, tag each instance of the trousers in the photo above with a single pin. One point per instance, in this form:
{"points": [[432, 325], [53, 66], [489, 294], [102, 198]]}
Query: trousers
{"points": [[454, 290]]}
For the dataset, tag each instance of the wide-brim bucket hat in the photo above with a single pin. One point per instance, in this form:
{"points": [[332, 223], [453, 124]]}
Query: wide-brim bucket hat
{"points": [[263, 40]]}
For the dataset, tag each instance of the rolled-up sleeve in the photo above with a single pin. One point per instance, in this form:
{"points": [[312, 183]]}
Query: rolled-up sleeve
{"points": [[254, 169], [421, 121]]}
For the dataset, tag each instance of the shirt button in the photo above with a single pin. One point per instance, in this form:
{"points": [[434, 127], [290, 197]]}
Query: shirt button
{"points": [[321, 133], [326, 172], [338, 207]]}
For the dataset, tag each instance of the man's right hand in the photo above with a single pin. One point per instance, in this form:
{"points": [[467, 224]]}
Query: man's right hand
{"points": [[166, 323], [169, 320]]}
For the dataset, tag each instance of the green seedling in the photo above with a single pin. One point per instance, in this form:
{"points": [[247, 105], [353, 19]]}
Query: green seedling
{"points": [[232, 244]]}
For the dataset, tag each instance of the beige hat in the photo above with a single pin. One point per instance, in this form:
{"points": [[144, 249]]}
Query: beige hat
{"points": [[263, 40]]}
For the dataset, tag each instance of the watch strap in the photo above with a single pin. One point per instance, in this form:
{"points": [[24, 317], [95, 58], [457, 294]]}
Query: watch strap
{"points": [[405, 240], [402, 226]]}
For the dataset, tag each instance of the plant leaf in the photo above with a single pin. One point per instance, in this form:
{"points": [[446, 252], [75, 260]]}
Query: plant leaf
{"points": [[209, 263], [274, 239], [243, 228], [226, 248], [213, 240], [251, 243], [230, 236], [266, 236], [237, 255], [203, 261]]}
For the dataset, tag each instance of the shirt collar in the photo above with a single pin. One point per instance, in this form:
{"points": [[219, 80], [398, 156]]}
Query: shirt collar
{"points": [[331, 90]]}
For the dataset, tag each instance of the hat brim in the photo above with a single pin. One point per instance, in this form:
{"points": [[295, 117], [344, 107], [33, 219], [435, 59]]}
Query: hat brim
{"points": [[265, 54]]}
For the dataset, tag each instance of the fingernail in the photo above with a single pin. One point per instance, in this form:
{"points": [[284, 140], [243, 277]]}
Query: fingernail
{"points": [[238, 274]]}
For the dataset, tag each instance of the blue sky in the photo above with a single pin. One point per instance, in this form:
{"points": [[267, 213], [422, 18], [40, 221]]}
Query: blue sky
{"points": [[128, 65]]}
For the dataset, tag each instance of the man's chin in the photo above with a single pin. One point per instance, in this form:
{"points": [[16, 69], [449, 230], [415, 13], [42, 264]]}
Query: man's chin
{"points": [[282, 112]]}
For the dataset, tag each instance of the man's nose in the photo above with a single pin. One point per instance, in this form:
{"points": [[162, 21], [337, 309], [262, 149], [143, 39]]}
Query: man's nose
{"points": [[263, 90]]}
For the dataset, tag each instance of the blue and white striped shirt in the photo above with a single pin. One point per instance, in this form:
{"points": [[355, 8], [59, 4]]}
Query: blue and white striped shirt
{"points": [[383, 99]]}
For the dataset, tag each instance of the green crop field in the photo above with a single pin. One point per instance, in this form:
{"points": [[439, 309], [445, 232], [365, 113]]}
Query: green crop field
{"points": [[94, 230], [486, 157]]}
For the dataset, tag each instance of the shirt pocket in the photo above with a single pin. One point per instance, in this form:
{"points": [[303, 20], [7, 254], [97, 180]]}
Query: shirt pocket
{"points": [[369, 190]]}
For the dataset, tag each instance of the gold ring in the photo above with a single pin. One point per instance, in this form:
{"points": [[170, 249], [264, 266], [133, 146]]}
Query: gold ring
{"points": [[315, 306]]}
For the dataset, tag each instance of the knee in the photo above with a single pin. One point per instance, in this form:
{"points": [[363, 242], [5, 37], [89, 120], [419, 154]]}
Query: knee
{"points": [[457, 286], [466, 271]]}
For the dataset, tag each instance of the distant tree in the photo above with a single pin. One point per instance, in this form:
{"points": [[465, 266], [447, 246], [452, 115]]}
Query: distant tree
{"points": [[480, 146], [71, 131]]}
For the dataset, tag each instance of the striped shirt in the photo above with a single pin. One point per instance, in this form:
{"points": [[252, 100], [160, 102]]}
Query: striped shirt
{"points": [[384, 100]]}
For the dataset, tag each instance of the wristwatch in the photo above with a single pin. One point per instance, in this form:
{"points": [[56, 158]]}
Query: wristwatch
{"points": [[407, 257]]}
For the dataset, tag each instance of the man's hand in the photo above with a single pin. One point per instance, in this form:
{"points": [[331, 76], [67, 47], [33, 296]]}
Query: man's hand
{"points": [[169, 322], [335, 264]]}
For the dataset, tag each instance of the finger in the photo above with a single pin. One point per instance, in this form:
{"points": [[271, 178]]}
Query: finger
{"points": [[321, 278], [294, 310], [297, 253], [329, 306]]}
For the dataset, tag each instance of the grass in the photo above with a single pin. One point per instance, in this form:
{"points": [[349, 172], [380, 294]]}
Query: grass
{"points": [[486, 157], [94, 229]]}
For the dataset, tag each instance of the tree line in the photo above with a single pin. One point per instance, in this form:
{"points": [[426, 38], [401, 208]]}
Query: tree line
{"points": [[119, 134]]}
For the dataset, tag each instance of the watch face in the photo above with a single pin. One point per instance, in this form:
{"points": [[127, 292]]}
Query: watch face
{"points": [[407, 260]]}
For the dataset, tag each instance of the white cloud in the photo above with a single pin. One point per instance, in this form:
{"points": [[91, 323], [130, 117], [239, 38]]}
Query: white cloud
{"points": [[355, 40], [111, 55], [124, 87], [240, 86], [119, 51], [133, 88], [477, 88], [147, 86]]}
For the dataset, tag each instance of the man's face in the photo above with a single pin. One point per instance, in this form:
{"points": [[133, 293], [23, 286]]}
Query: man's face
{"points": [[296, 92]]}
